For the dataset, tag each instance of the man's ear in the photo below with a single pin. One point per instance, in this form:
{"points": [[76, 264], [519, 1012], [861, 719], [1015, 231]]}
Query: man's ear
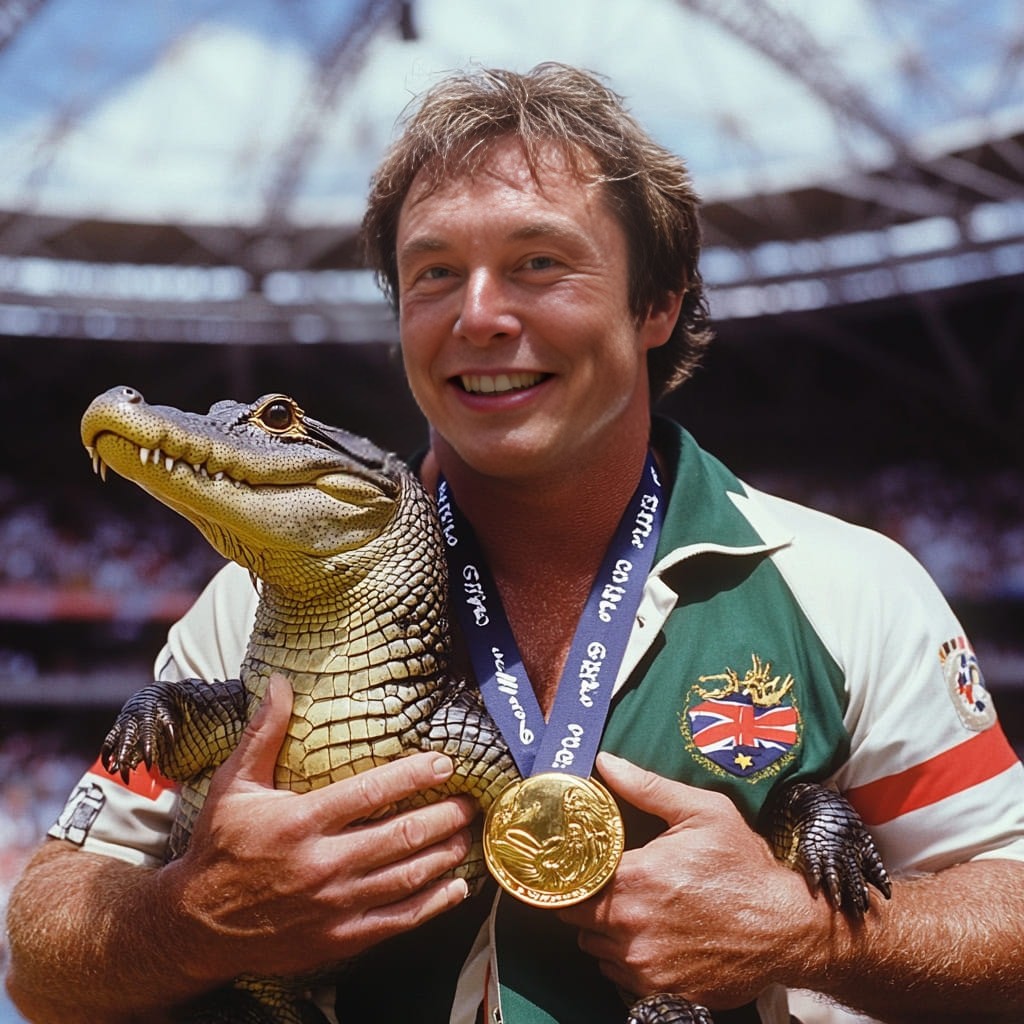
{"points": [[660, 322]]}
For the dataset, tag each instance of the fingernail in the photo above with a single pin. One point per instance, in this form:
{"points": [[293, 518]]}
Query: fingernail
{"points": [[443, 767]]}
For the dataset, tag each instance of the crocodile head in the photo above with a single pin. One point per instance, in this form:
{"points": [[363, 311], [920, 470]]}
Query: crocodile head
{"points": [[269, 487]]}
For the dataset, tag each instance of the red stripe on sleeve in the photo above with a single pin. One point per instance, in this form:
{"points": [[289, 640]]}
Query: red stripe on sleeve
{"points": [[146, 782], [982, 757]]}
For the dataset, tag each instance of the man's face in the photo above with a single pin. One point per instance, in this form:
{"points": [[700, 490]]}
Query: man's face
{"points": [[518, 340]]}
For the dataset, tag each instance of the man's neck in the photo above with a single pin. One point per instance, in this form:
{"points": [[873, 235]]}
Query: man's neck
{"points": [[562, 522], [544, 540]]}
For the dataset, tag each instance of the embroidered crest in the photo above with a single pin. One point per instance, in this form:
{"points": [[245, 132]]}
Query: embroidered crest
{"points": [[748, 727], [80, 813], [966, 684]]}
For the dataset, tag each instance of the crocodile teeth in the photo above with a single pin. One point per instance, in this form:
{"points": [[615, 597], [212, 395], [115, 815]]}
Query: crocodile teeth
{"points": [[219, 475], [103, 471], [144, 455], [168, 463]]}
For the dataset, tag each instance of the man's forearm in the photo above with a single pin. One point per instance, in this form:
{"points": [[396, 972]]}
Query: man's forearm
{"points": [[947, 947], [103, 951]]}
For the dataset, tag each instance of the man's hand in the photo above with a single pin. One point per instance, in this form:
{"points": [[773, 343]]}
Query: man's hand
{"points": [[277, 882], [703, 910]]}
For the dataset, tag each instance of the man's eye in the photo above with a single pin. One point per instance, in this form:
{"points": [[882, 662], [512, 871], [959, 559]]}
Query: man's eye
{"points": [[540, 262], [436, 273]]}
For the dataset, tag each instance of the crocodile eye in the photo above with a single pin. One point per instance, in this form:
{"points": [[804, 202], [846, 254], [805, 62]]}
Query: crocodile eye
{"points": [[280, 415], [277, 415]]}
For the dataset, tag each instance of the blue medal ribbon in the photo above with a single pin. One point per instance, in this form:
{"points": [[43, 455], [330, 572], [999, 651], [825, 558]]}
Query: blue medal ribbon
{"points": [[569, 740]]}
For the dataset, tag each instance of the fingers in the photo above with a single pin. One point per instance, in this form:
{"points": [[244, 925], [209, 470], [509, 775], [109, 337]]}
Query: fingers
{"points": [[254, 758], [429, 840], [398, 864], [377, 790], [394, 918], [673, 802]]}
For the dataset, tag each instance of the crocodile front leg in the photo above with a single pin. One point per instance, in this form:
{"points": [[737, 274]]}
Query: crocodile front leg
{"points": [[815, 830], [183, 728], [665, 1008], [252, 1001]]}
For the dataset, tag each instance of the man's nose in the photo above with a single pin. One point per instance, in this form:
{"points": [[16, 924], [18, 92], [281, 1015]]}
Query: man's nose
{"points": [[487, 313]]}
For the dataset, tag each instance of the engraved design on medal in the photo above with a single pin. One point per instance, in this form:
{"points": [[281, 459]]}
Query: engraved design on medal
{"points": [[553, 839]]}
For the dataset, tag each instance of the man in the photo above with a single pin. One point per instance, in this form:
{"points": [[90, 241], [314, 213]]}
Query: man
{"points": [[542, 254]]}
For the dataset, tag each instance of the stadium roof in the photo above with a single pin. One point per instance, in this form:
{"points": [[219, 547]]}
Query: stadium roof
{"points": [[196, 168]]}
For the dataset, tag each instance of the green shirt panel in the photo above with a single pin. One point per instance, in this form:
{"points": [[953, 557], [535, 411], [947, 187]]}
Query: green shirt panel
{"points": [[735, 619]]}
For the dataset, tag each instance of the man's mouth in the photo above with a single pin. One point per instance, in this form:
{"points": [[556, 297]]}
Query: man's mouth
{"points": [[499, 383]]}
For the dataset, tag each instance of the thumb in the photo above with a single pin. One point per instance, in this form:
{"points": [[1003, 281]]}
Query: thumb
{"points": [[673, 802], [255, 757]]}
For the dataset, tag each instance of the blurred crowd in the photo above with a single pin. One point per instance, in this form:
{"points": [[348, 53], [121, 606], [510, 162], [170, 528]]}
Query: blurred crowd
{"points": [[967, 530], [73, 540], [38, 770]]}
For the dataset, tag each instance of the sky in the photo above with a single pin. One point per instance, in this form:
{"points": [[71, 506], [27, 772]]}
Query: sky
{"points": [[183, 109]]}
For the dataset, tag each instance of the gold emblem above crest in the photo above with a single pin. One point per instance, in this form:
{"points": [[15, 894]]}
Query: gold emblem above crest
{"points": [[764, 689]]}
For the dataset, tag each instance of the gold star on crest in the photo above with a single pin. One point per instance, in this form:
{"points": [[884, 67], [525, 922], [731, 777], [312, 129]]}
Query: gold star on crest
{"points": [[743, 761]]}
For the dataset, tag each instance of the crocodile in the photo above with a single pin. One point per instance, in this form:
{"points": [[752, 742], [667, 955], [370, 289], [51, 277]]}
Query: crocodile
{"points": [[346, 549]]}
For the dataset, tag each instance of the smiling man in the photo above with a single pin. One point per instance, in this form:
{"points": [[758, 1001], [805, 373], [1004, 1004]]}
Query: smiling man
{"points": [[541, 252]]}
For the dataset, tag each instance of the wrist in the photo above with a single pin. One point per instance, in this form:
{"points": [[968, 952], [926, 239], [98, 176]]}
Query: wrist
{"points": [[189, 932], [817, 942]]}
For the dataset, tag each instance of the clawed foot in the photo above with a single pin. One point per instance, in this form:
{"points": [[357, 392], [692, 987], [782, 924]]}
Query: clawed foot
{"points": [[665, 1008], [182, 728], [144, 731], [815, 830]]}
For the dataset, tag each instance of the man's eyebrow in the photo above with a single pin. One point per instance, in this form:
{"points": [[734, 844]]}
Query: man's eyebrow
{"points": [[418, 246], [558, 230]]}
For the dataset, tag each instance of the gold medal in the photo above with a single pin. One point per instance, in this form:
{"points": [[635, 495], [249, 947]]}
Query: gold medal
{"points": [[553, 839]]}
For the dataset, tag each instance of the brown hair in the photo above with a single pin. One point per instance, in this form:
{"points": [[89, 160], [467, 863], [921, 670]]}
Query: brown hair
{"points": [[648, 187]]}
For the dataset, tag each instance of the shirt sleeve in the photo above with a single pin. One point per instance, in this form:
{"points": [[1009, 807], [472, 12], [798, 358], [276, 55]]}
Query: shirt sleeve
{"points": [[132, 820], [929, 768]]}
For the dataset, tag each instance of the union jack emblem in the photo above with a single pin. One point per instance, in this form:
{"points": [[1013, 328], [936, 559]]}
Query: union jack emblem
{"points": [[740, 737]]}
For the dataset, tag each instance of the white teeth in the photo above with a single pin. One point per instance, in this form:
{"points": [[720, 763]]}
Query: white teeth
{"points": [[156, 457], [95, 460], [103, 471], [485, 384]]}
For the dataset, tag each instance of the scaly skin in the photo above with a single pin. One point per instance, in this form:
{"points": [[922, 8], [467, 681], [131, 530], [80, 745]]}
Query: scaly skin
{"points": [[353, 609]]}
